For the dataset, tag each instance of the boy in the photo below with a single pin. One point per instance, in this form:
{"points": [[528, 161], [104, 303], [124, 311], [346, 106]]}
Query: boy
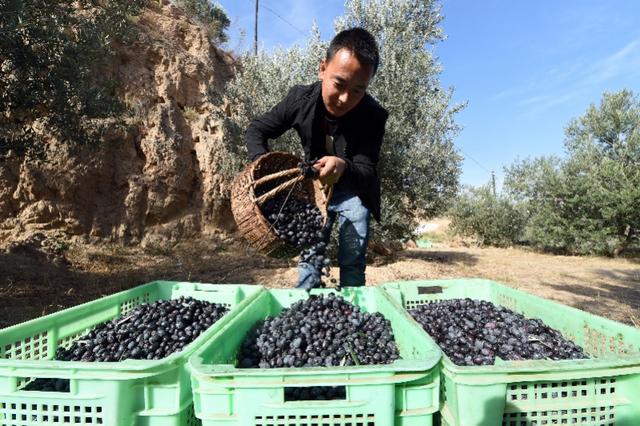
{"points": [[343, 126]]}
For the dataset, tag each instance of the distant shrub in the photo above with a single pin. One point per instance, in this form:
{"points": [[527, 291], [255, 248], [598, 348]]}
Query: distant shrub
{"points": [[493, 220], [588, 202], [210, 15]]}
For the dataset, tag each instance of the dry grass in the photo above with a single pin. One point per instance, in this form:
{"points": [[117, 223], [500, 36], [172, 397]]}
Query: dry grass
{"points": [[31, 285]]}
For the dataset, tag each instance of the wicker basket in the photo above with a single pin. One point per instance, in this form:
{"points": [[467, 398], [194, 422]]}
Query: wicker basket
{"points": [[253, 226]]}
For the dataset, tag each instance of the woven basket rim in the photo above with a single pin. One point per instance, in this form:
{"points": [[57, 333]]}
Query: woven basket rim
{"points": [[251, 222]]}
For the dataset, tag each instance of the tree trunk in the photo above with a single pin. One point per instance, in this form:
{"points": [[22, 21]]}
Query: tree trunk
{"points": [[628, 236]]}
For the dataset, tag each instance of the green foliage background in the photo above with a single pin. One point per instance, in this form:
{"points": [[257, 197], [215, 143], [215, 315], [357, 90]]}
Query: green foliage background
{"points": [[210, 15], [419, 166], [587, 202], [51, 54], [493, 219]]}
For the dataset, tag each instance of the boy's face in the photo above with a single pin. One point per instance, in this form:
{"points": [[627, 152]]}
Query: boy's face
{"points": [[344, 82]]}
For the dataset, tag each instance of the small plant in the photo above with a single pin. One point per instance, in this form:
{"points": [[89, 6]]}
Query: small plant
{"points": [[60, 246], [190, 114], [157, 246]]}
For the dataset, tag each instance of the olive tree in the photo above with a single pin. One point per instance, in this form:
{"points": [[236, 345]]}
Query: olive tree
{"points": [[51, 56], [494, 219], [419, 166], [589, 201]]}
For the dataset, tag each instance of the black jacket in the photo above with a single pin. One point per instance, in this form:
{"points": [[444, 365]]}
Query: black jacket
{"points": [[357, 140]]}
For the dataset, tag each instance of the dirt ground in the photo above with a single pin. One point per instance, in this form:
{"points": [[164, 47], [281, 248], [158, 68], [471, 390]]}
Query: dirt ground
{"points": [[32, 284]]}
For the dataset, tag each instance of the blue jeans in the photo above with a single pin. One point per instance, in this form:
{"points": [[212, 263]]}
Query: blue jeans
{"points": [[353, 221]]}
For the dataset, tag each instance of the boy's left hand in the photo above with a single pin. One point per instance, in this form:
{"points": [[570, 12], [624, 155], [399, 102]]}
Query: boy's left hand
{"points": [[330, 168]]}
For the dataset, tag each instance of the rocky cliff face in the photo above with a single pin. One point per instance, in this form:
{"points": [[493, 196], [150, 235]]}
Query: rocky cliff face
{"points": [[159, 177]]}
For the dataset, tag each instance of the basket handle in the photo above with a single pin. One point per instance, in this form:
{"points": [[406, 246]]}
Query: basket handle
{"points": [[269, 195], [327, 189], [328, 192], [268, 178]]}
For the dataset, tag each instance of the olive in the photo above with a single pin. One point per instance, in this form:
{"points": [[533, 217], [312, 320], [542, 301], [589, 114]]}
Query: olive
{"points": [[321, 331], [473, 332], [142, 335]]}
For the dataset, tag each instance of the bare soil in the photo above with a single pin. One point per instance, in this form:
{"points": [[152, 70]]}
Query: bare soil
{"points": [[32, 284]]}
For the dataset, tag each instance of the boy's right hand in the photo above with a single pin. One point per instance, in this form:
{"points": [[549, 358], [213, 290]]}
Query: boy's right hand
{"points": [[330, 169]]}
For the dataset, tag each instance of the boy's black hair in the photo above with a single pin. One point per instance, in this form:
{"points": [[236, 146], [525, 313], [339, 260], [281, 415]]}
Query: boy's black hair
{"points": [[359, 42]]}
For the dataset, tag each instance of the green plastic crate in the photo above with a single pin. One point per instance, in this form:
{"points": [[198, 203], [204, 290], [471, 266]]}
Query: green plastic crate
{"points": [[602, 391], [405, 392], [126, 393]]}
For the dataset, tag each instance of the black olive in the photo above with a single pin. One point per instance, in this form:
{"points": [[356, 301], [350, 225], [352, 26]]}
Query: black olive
{"points": [[473, 332], [141, 334], [320, 331]]}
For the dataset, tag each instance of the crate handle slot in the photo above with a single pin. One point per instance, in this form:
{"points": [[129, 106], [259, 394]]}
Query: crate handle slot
{"points": [[44, 384], [430, 290], [315, 393]]}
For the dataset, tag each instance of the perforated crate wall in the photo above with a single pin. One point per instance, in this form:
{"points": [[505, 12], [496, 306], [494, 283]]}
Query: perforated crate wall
{"points": [[599, 344], [557, 394], [602, 416], [31, 347], [128, 305], [431, 294], [39, 414], [67, 341]]}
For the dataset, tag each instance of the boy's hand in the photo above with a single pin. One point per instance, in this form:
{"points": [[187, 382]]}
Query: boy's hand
{"points": [[330, 168]]}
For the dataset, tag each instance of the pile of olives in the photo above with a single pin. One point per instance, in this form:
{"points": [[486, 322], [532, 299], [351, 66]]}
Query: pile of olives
{"points": [[323, 330], [474, 332], [300, 224], [296, 221], [150, 331]]}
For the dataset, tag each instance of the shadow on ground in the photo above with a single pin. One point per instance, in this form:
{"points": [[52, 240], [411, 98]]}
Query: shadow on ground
{"points": [[632, 277], [32, 284], [601, 296], [440, 256]]}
